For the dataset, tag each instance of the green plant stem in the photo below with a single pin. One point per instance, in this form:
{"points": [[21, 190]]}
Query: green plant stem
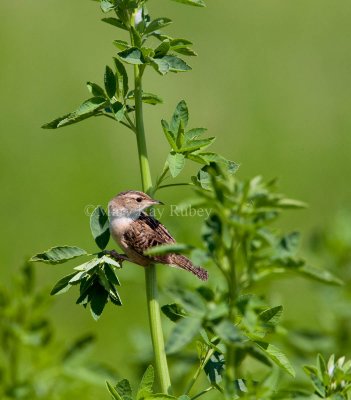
{"points": [[199, 369], [140, 132], [156, 329], [202, 393], [174, 184], [121, 122], [230, 351], [150, 272]]}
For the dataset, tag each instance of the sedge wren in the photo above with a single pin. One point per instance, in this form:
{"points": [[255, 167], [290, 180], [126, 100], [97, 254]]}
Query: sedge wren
{"points": [[135, 232]]}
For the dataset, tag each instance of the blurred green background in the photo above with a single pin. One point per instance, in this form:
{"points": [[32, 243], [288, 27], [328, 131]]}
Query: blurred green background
{"points": [[272, 82]]}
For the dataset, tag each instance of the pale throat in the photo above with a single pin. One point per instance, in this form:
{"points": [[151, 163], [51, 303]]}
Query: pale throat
{"points": [[120, 219]]}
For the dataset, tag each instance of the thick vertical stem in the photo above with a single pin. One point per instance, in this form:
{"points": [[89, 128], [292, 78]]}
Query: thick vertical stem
{"points": [[150, 272], [140, 134], [156, 329]]}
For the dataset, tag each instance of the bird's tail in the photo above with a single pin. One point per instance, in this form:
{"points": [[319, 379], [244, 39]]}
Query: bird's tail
{"points": [[177, 260]]}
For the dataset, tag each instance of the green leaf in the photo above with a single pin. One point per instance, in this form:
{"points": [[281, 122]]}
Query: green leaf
{"points": [[181, 113], [184, 50], [319, 274], [110, 275], [276, 356], [88, 266], [316, 382], [111, 261], [180, 42], [167, 249], [87, 109], [89, 106], [62, 285], [136, 37], [85, 286], [180, 135], [132, 56], [118, 110], [214, 368], [156, 24], [124, 389], [121, 44], [197, 157], [99, 226], [197, 144], [176, 64], [115, 22], [160, 65], [194, 133], [169, 135], [291, 204], [115, 299], [192, 302], [147, 382], [59, 254], [106, 5], [78, 277], [110, 82], [151, 98], [95, 89], [322, 367], [181, 47], [227, 331], [272, 315], [98, 299], [196, 3], [122, 77], [113, 392], [176, 162], [173, 311], [148, 98], [162, 49], [183, 333]]}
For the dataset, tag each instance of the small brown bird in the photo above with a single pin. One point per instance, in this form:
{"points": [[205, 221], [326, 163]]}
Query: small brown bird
{"points": [[135, 232]]}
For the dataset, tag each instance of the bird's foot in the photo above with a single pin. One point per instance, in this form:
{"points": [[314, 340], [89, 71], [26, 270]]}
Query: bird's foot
{"points": [[116, 256]]}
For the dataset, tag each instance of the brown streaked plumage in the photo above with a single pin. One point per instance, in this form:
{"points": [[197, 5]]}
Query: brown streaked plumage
{"points": [[135, 232]]}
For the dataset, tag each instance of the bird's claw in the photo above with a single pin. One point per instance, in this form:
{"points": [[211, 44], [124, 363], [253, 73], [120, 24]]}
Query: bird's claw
{"points": [[116, 256]]}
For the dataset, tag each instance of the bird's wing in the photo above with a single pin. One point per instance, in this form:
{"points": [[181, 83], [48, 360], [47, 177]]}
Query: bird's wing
{"points": [[146, 232]]}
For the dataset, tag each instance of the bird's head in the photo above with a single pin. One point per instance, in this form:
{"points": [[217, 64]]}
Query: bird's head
{"points": [[130, 203]]}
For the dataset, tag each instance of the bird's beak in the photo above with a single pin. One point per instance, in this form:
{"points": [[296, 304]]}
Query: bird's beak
{"points": [[158, 202]]}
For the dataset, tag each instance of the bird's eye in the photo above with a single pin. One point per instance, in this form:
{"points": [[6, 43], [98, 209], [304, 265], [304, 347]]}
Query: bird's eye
{"points": [[139, 199]]}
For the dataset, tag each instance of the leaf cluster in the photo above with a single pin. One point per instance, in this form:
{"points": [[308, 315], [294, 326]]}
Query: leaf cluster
{"points": [[33, 365], [123, 390], [97, 278], [115, 99], [205, 314], [240, 228], [331, 379], [241, 241]]}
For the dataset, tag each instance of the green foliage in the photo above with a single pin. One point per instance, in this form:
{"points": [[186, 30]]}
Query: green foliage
{"points": [[242, 243], [115, 101], [185, 144], [33, 363], [332, 379], [123, 391], [230, 324], [97, 278], [59, 254]]}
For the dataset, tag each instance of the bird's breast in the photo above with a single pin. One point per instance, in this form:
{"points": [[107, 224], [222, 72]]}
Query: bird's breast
{"points": [[118, 226]]}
